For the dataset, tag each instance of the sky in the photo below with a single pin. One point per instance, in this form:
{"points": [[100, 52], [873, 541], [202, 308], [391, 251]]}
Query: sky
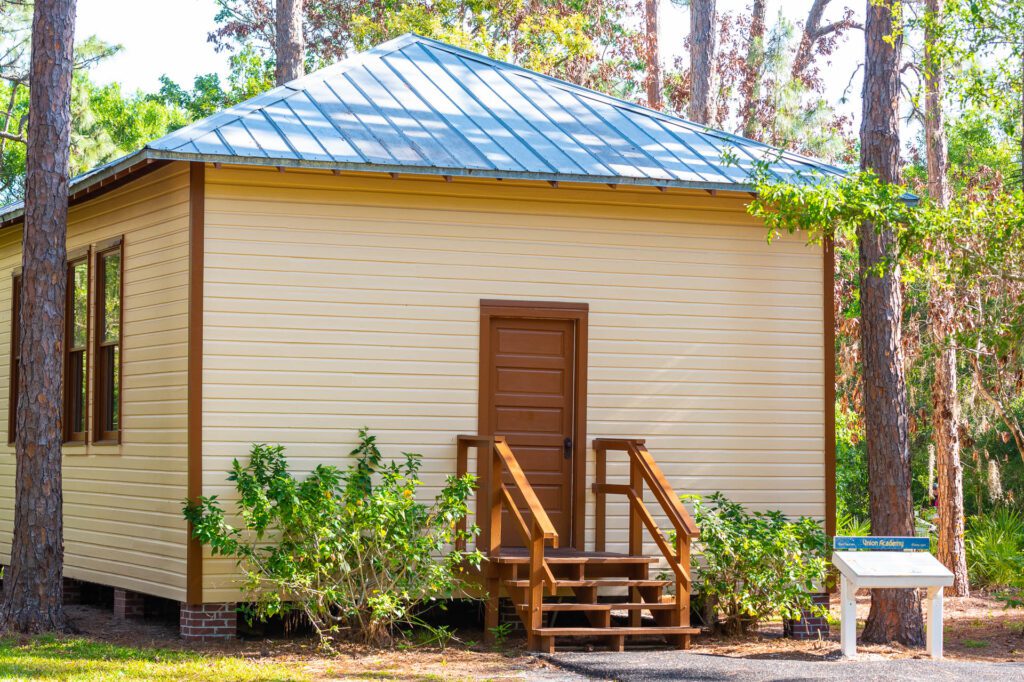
{"points": [[169, 37]]}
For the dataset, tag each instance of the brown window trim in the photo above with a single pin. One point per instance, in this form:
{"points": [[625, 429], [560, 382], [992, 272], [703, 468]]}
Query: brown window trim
{"points": [[101, 436], [76, 258], [13, 375]]}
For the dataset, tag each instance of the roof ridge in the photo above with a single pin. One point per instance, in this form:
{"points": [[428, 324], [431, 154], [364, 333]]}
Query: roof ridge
{"points": [[621, 103]]}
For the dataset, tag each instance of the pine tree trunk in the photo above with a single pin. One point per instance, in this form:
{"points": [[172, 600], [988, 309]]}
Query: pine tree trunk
{"points": [[945, 391], [702, 53], [653, 80], [290, 45], [751, 85], [895, 614], [33, 589]]}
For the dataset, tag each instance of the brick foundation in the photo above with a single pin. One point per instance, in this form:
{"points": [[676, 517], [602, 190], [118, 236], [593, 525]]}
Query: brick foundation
{"points": [[72, 591], [128, 605], [208, 622], [810, 626]]}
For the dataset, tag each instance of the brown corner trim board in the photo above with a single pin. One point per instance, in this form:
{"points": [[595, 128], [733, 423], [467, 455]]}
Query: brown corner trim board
{"points": [[196, 248], [828, 320]]}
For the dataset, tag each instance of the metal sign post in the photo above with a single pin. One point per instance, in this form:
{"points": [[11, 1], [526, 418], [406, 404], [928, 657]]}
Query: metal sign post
{"points": [[888, 562]]}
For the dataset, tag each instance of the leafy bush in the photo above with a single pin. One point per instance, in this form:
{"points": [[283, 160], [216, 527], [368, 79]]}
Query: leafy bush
{"points": [[995, 549], [757, 564], [851, 465], [351, 549]]}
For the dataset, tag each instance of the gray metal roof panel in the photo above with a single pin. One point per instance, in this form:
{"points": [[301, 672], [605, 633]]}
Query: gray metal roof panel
{"points": [[415, 105], [419, 103]]}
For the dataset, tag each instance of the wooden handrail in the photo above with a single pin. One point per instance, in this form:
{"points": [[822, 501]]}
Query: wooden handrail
{"points": [[535, 536], [494, 457], [483, 445], [663, 491], [644, 470], [524, 530], [641, 459], [540, 516]]}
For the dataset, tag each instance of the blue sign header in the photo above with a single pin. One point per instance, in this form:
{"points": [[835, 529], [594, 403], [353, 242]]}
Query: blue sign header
{"points": [[882, 544]]}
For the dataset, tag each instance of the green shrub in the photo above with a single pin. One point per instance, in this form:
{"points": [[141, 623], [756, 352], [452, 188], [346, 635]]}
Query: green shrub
{"points": [[848, 525], [757, 564], [851, 465], [995, 549], [352, 549]]}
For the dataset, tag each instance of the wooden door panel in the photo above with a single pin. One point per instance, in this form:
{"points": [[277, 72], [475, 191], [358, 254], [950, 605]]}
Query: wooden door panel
{"points": [[531, 382], [531, 342], [526, 423], [530, 370]]}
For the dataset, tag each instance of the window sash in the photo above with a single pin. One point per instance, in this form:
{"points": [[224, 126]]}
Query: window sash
{"points": [[76, 359], [107, 362]]}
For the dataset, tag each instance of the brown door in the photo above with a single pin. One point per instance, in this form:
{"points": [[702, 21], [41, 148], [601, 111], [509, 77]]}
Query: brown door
{"points": [[531, 403]]}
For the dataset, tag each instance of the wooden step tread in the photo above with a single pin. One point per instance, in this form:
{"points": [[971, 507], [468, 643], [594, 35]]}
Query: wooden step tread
{"points": [[611, 632], [597, 582], [521, 556], [606, 606]]}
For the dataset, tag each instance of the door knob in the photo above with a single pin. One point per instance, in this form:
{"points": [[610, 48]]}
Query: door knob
{"points": [[567, 446]]}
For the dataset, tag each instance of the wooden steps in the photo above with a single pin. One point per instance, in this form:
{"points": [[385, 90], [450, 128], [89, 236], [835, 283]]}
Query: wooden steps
{"points": [[603, 606], [584, 576], [596, 582], [519, 556], [545, 567], [614, 631]]}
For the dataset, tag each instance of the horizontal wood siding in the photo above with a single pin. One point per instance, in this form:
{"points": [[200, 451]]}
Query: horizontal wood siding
{"points": [[336, 302], [122, 503]]}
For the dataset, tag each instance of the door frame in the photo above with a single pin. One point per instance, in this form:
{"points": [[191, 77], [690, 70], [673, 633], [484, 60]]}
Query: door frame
{"points": [[578, 314]]}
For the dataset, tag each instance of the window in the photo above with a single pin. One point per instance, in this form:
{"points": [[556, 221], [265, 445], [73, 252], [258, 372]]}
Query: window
{"points": [[76, 365], [107, 396], [15, 375]]}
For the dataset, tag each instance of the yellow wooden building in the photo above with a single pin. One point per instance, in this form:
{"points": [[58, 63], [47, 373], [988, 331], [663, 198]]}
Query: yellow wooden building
{"points": [[433, 244]]}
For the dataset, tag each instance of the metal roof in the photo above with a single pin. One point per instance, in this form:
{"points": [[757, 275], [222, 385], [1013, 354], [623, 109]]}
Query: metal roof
{"points": [[415, 105]]}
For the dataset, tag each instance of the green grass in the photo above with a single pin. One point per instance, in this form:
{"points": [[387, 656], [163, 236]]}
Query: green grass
{"points": [[974, 644], [80, 660]]}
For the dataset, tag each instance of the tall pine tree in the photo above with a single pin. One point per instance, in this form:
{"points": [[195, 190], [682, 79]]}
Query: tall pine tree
{"points": [[33, 589], [895, 614]]}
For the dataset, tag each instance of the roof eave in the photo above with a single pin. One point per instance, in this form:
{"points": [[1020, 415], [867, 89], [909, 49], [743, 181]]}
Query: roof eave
{"points": [[15, 213], [441, 171]]}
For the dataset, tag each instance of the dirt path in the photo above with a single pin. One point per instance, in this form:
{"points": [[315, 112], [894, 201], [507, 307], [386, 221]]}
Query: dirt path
{"points": [[978, 630]]}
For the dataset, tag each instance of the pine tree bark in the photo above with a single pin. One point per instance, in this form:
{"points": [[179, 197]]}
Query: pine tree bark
{"points": [[33, 590], [945, 390], [895, 614], [702, 53], [290, 44], [750, 87], [653, 80]]}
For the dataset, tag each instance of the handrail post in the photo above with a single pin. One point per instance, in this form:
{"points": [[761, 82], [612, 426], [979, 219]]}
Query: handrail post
{"points": [[682, 615], [636, 542], [636, 483], [461, 467], [600, 498], [494, 500], [536, 596]]}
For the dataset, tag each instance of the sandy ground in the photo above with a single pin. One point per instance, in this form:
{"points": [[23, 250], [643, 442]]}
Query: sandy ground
{"points": [[977, 629], [461, 661]]}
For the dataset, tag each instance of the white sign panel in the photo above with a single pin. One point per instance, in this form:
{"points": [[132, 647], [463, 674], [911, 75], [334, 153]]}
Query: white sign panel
{"points": [[890, 569]]}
